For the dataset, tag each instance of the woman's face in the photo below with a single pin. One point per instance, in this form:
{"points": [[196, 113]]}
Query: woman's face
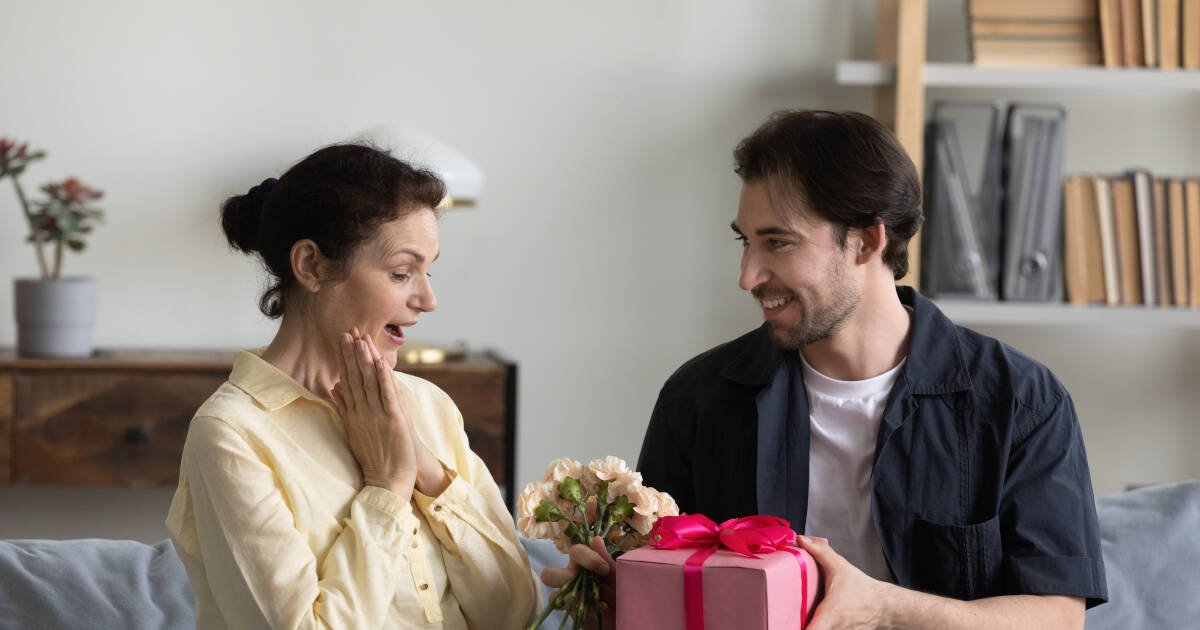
{"points": [[386, 287]]}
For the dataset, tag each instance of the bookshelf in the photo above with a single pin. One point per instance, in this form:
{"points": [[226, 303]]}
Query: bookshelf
{"points": [[901, 76], [965, 75], [993, 313]]}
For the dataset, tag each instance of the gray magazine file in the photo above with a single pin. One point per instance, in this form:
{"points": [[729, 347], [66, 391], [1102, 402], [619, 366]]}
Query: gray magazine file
{"points": [[1033, 268], [964, 157]]}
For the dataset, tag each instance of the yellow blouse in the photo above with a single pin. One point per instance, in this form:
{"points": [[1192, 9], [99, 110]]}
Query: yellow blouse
{"points": [[276, 529]]}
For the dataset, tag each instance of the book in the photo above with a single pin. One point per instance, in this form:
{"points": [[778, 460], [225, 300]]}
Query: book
{"points": [[1081, 247], [1032, 9], [1191, 195], [1030, 29], [1162, 255], [1177, 235], [1133, 50], [1036, 52], [1111, 42], [1143, 185], [1130, 252], [1109, 259], [1168, 34], [1150, 32], [1190, 39]]}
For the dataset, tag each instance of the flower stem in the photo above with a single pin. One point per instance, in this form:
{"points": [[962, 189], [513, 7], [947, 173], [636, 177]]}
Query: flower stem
{"points": [[33, 231]]}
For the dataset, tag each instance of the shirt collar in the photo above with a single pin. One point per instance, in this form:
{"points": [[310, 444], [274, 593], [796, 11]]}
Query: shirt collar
{"points": [[935, 362], [265, 383]]}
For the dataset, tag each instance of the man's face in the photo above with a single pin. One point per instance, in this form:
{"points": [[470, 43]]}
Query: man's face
{"points": [[792, 264]]}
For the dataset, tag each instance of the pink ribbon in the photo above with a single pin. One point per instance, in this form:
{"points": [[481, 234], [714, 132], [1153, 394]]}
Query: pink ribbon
{"points": [[748, 536]]}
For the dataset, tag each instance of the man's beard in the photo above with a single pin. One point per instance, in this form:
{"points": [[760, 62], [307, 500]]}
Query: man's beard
{"points": [[821, 320]]}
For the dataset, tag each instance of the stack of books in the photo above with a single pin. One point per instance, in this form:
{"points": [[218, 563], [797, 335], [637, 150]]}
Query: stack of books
{"points": [[1116, 33], [1132, 239], [1150, 33], [1034, 32]]}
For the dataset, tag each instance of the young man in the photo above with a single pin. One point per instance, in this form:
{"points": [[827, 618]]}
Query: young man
{"points": [[945, 470]]}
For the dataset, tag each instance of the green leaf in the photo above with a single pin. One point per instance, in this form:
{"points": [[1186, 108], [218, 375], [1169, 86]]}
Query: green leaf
{"points": [[571, 490], [547, 512]]}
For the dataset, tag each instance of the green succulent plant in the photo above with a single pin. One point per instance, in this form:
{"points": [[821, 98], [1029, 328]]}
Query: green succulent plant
{"points": [[64, 217]]}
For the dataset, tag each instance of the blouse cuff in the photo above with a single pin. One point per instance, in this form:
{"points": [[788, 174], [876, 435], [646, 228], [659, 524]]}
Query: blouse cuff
{"points": [[389, 517]]}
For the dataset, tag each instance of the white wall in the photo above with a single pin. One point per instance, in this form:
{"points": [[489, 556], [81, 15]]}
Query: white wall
{"points": [[599, 258]]}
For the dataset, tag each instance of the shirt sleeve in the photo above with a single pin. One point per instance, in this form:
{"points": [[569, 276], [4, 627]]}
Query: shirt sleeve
{"points": [[259, 567], [1051, 538], [486, 566], [664, 461]]}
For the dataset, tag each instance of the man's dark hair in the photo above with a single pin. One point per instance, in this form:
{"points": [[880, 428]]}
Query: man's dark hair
{"points": [[849, 169]]}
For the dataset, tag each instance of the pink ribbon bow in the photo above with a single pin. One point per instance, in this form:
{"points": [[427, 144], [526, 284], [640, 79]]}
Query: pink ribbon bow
{"points": [[749, 535]]}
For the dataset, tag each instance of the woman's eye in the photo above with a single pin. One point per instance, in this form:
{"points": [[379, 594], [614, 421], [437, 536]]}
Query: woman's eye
{"points": [[400, 276], [742, 239], [776, 243]]}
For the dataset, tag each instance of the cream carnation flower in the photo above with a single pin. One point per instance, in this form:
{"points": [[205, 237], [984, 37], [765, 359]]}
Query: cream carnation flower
{"points": [[530, 498], [561, 468]]}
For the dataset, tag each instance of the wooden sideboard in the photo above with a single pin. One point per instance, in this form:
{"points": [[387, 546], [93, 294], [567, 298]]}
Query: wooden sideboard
{"points": [[119, 418]]}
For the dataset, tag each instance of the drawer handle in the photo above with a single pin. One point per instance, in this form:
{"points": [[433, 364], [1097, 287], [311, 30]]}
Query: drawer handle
{"points": [[137, 435]]}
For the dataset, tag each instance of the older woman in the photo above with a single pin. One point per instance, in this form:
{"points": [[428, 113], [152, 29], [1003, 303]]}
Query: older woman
{"points": [[318, 488]]}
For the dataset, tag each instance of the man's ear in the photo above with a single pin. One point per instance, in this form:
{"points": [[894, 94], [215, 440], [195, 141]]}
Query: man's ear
{"points": [[871, 242], [308, 265]]}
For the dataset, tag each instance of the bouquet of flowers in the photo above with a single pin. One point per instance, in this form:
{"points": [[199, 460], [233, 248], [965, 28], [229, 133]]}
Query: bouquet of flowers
{"points": [[574, 503]]}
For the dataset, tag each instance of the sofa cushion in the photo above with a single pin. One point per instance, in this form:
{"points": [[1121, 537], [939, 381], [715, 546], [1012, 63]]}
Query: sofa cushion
{"points": [[93, 584], [1151, 542]]}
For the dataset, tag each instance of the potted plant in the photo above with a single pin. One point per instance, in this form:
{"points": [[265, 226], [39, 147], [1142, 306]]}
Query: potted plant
{"points": [[54, 313]]}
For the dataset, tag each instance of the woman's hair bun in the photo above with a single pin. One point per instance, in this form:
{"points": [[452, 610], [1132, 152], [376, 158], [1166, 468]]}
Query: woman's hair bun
{"points": [[241, 216]]}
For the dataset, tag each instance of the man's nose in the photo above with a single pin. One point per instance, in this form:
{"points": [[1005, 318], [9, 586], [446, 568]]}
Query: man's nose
{"points": [[753, 272]]}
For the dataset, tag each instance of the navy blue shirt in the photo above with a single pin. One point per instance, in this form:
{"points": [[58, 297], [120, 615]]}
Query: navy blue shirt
{"points": [[980, 486]]}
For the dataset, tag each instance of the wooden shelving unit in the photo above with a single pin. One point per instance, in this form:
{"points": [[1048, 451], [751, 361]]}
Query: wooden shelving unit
{"points": [[969, 313], [901, 75], [965, 75]]}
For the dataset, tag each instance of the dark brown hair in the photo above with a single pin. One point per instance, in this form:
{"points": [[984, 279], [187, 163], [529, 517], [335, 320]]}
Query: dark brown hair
{"points": [[849, 169], [337, 197]]}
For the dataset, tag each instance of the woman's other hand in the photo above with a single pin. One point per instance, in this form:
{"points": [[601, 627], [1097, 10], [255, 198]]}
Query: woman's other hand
{"points": [[378, 428], [595, 558]]}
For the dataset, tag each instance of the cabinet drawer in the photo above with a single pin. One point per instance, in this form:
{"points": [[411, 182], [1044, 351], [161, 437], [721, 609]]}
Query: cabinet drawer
{"points": [[6, 411], [105, 428]]}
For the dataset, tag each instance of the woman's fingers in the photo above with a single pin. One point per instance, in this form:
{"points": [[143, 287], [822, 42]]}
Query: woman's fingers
{"points": [[370, 376], [345, 367], [354, 380]]}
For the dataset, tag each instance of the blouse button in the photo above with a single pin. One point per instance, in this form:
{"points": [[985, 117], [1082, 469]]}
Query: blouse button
{"points": [[424, 587], [437, 508], [415, 544]]}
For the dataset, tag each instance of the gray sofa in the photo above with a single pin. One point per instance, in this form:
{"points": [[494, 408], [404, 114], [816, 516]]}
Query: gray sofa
{"points": [[1151, 540]]}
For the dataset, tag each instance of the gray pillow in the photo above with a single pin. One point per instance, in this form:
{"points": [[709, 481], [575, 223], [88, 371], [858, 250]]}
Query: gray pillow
{"points": [[1151, 542], [93, 584]]}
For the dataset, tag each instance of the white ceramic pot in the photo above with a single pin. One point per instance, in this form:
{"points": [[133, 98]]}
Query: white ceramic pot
{"points": [[54, 317]]}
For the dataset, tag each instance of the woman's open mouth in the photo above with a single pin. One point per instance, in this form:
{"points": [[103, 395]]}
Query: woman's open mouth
{"points": [[394, 333]]}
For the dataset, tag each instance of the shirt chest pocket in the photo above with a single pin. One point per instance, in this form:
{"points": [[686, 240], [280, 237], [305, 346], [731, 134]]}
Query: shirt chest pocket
{"points": [[959, 561]]}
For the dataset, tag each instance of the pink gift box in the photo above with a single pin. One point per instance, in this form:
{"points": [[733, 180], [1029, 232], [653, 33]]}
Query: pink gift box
{"points": [[739, 592]]}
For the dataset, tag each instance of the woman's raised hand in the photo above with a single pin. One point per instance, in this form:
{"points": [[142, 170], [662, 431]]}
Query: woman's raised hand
{"points": [[378, 428]]}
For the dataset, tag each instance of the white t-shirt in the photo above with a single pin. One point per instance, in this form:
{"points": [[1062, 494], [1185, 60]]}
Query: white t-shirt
{"points": [[844, 421]]}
